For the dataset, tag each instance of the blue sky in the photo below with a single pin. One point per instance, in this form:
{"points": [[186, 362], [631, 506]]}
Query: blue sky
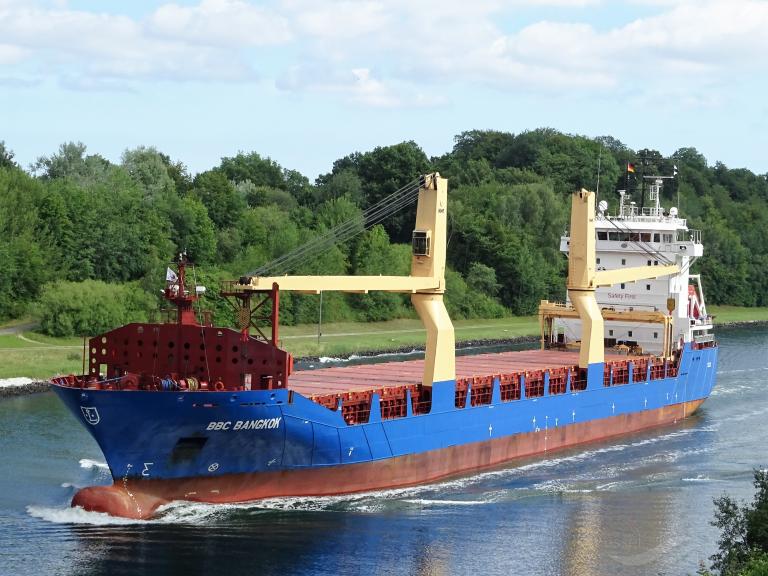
{"points": [[306, 82]]}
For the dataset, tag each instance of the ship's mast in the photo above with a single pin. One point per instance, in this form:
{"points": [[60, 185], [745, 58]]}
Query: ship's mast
{"points": [[176, 291]]}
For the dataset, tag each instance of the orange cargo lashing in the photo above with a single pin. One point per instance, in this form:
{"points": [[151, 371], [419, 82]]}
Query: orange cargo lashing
{"points": [[558, 379], [534, 384], [510, 387]]}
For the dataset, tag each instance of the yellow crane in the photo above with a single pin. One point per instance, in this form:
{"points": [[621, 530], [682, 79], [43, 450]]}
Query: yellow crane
{"points": [[584, 279], [425, 284]]}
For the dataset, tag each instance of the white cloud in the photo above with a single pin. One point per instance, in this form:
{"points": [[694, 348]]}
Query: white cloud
{"points": [[339, 20], [390, 52], [452, 41], [220, 23], [358, 85], [10, 54], [87, 49]]}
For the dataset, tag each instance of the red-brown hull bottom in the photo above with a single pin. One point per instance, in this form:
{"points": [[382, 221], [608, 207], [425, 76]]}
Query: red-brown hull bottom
{"points": [[141, 498]]}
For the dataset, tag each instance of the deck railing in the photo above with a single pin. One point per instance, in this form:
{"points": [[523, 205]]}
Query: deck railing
{"points": [[356, 406]]}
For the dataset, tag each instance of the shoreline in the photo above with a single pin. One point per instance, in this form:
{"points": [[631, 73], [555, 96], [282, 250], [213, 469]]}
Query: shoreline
{"points": [[33, 387], [408, 349], [37, 386]]}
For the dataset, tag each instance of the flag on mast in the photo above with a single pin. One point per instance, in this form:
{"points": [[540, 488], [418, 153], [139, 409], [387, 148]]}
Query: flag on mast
{"points": [[630, 167], [170, 275]]}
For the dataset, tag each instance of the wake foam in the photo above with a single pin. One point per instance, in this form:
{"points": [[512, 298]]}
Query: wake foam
{"points": [[78, 516], [89, 464], [699, 478], [11, 382], [441, 503], [353, 357]]}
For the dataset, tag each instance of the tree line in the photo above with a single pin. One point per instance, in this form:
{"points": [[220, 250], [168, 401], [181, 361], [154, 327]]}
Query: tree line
{"points": [[84, 242]]}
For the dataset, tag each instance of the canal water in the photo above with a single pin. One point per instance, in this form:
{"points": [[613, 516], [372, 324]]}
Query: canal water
{"points": [[638, 505]]}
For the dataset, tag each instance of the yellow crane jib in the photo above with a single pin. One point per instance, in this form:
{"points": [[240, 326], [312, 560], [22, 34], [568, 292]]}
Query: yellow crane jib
{"points": [[426, 283], [583, 277]]}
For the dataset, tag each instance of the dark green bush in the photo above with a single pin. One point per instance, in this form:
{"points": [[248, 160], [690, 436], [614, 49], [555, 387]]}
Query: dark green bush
{"points": [[90, 307]]}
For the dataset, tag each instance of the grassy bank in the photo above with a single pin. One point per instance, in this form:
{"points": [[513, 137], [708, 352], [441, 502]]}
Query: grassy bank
{"points": [[732, 314], [351, 338], [38, 356]]}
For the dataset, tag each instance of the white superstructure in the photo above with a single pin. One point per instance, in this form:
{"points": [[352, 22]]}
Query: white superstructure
{"points": [[646, 237]]}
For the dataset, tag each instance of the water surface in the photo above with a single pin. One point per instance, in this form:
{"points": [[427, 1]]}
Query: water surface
{"points": [[638, 505]]}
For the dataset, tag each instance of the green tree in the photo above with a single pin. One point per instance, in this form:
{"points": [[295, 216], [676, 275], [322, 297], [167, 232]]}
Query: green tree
{"points": [[345, 183], [382, 171], [482, 278], [485, 145], [71, 162], [90, 307], [6, 156], [260, 171], [24, 263], [193, 231], [743, 543], [148, 168], [341, 213], [219, 196], [374, 255]]}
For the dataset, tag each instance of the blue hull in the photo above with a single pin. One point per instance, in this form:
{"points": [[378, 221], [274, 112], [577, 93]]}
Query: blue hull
{"points": [[176, 435]]}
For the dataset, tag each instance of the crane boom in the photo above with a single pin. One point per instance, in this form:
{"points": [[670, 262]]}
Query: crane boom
{"points": [[426, 283]]}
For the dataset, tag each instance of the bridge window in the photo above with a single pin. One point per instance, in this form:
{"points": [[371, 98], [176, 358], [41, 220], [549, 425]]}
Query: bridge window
{"points": [[647, 286], [623, 261], [656, 237], [645, 236], [655, 334], [622, 286], [629, 333], [602, 235]]}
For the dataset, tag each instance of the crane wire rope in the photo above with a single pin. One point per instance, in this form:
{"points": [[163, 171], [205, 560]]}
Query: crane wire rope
{"points": [[344, 231]]}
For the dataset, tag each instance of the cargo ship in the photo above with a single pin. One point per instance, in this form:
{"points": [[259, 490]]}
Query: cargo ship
{"points": [[185, 410]]}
